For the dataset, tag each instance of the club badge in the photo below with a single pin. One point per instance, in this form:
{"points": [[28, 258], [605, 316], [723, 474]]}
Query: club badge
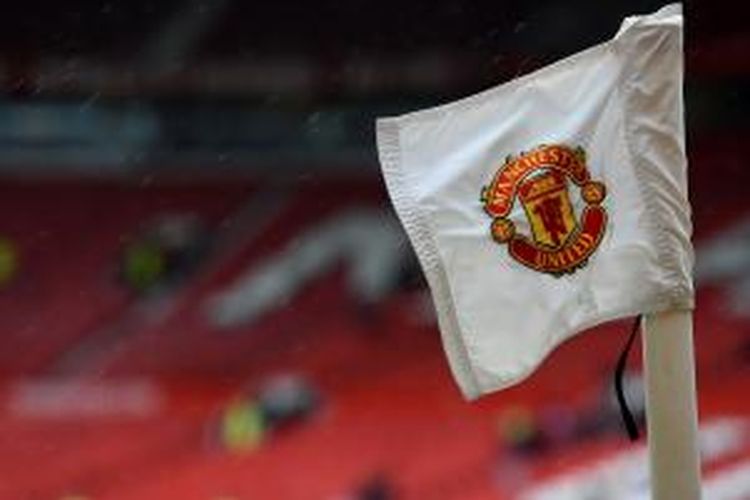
{"points": [[560, 240]]}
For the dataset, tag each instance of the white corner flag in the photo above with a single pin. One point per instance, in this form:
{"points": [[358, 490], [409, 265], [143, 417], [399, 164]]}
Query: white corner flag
{"points": [[552, 203]]}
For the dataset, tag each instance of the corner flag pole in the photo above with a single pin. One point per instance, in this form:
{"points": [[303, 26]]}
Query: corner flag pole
{"points": [[672, 417]]}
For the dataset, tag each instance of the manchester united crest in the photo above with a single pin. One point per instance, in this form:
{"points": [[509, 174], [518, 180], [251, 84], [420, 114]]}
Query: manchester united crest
{"points": [[541, 180]]}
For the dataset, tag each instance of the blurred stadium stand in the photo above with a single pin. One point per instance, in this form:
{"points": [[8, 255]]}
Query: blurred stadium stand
{"points": [[255, 121]]}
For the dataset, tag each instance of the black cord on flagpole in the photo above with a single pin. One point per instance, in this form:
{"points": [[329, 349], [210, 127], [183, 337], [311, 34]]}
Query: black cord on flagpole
{"points": [[627, 416]]}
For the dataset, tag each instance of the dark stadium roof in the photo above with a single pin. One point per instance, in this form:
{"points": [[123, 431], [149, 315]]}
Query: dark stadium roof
{"points": [[240, 28]]}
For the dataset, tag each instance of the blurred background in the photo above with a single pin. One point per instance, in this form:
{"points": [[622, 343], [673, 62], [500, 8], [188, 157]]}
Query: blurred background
{"points": [[204, 293]]}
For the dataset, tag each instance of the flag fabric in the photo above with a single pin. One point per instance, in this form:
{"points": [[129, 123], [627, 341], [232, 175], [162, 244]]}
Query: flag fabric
{"points": [[551, 203]]}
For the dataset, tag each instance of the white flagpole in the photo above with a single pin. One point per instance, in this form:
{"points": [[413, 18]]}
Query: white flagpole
{"points": [[671, 412]]}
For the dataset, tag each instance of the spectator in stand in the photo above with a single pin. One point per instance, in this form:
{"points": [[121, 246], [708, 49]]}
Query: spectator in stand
{"points": [[281, 403], [169, 250]]}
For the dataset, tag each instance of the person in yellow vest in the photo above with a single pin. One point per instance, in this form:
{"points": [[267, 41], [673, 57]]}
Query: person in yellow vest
{"points": [[8, 261], [242, 426]]}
